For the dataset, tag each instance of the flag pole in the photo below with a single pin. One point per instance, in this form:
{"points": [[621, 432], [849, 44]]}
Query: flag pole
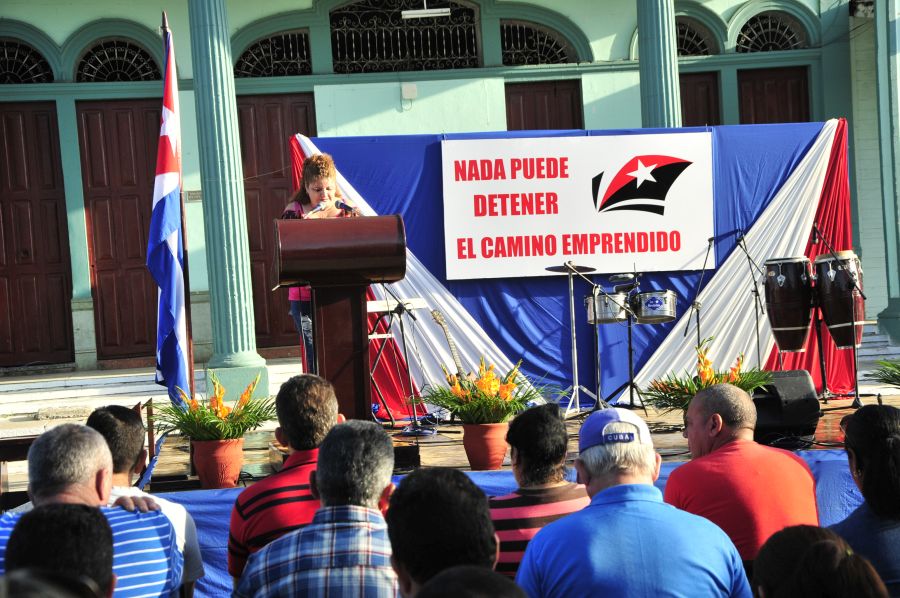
{"points": [[185, 260]]}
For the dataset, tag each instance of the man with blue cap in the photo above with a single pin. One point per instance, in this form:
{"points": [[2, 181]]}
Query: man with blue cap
{"points": [[628, 542]]}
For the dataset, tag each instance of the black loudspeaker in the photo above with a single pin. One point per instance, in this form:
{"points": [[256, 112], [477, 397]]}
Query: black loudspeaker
{"points": [[787, 410]]}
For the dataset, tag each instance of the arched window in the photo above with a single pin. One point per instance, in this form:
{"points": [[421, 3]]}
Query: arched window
{"points": [[20, 63], [116, 60], [528, 43], [371, 36], [281, 55], [771, 31], [693, 39]]}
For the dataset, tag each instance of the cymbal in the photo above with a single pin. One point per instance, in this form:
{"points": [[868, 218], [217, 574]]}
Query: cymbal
{"points": [[565, 268]]}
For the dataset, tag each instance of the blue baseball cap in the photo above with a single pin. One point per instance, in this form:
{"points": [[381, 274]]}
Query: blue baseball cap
{"points": [[594, 430]]}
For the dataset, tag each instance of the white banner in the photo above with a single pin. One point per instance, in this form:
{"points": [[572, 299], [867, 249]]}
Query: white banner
{"points": [[513, 207]]}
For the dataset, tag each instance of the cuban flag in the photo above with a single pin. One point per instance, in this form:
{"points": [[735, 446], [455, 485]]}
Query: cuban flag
{"points": [[165, 253]]}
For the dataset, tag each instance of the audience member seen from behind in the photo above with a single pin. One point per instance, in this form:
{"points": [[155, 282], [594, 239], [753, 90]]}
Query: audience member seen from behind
{"points": [[469, 581], [124, 433], [872, 439], [438, 518], [307, 409], [345, 551], [315, 199], [730, 478], [72, 540], [628, 542], [71, 464], [538, 443], [806, 560], [40, 583]]}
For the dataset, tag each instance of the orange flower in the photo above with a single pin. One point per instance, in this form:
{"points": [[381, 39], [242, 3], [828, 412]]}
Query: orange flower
{"points": [[248, 392], [506, 390]]}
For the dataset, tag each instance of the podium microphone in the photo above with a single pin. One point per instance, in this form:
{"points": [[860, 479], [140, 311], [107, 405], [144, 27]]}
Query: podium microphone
{"points": [[815, 236], [343, 206]]}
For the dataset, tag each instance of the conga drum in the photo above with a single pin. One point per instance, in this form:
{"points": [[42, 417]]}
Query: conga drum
{"points": [[789, 301], [838, 277]]}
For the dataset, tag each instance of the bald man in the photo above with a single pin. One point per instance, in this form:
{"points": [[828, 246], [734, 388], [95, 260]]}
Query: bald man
{"points": [[749, 490]]}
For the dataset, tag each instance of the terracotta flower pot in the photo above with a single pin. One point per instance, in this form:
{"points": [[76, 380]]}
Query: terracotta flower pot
{"points": [[485, 445], [218, 462]]}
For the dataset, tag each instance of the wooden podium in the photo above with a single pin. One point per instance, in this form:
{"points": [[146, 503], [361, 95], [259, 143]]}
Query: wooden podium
{"points": [[339, 258]]}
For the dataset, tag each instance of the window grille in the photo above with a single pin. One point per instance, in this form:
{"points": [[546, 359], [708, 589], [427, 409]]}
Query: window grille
{"points": [[116, 60], [282, 55], [527, 43], [370, 36], [20, 63], [694, 39], [771, 31]]}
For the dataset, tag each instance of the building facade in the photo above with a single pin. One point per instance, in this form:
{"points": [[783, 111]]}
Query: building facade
{"points": [[80, 91]]}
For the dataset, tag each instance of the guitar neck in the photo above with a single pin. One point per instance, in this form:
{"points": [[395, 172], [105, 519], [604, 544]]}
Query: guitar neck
{"points": [[454, 353]]}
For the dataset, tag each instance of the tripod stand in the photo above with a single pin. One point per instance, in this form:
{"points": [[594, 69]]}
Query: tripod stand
{"points": [[571, 270]]}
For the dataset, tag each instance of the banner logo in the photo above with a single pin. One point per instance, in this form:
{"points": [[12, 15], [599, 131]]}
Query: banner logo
{"points": [[641, 185]]}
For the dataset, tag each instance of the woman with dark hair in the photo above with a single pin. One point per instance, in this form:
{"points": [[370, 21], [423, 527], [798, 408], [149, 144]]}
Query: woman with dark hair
{"points": [[806, 560], [873, 451]]}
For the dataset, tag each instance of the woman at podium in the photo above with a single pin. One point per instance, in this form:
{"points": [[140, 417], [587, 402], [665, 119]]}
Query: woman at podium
{"points": [[318, 197]]}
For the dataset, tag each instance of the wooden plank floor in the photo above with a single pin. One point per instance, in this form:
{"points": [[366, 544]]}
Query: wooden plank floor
{"points": [[445, 448]]}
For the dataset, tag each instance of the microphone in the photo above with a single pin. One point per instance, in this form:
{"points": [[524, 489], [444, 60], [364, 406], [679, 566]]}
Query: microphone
{"points": [[815, 236], [318, 208], [343, 206]]}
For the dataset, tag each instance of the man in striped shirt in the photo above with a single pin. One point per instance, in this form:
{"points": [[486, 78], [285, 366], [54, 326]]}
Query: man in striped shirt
{"points": [[538, 442], [307, 409], [71, 464]]}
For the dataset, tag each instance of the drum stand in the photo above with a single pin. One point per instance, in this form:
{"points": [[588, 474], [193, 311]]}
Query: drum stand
{"points": [[630, 385], [574, 400], [854, 287]]}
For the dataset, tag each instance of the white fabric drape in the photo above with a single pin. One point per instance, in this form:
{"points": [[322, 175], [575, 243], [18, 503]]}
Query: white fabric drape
{"points": [[428, 347], [727, 308]]}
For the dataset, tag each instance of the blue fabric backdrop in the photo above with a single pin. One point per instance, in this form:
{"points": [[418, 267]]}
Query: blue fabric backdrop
{"points": [[529, 318]]}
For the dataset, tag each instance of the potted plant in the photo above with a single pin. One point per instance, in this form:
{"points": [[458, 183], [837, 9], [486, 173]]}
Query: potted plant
{"points": [[675, 392], [888, 373], [216, 431], [483, 403]]}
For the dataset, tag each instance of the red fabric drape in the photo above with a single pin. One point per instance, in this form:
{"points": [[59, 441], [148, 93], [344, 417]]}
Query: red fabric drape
{"points": [[390, 376], [833, 219]]}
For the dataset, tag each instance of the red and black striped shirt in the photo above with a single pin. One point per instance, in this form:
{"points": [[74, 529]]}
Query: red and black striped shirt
{"points": [[518, 516], [271, 508]]}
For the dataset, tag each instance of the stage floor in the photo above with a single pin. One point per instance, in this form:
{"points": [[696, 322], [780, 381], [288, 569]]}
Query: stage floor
{"points": [[445, 448]]}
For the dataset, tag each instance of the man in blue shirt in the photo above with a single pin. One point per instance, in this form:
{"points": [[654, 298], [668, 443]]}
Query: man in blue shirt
{"points": [[345, 551], [628, 542], [71, 464]]}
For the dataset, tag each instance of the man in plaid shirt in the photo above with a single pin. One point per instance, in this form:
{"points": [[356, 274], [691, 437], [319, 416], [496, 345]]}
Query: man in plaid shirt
{"points": [[345, 551]]}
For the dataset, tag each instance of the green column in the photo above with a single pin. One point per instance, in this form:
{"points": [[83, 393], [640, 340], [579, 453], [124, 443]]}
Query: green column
{"points": [[658, 64], [234, 358], [887, 37]]}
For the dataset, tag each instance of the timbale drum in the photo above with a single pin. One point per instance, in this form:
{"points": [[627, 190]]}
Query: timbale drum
{"points": [[603, 309], [654, 307]]}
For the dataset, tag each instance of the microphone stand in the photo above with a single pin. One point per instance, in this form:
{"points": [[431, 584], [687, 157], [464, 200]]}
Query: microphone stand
{"points": [[757, 306], [695, 304], [853, 287], [414, 429]]}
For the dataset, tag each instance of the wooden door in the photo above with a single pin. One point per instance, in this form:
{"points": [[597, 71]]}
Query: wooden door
{"points": [[777, 95], [700, 99], [35, 271], [544, 105], [267, 122], [118, 163]]}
